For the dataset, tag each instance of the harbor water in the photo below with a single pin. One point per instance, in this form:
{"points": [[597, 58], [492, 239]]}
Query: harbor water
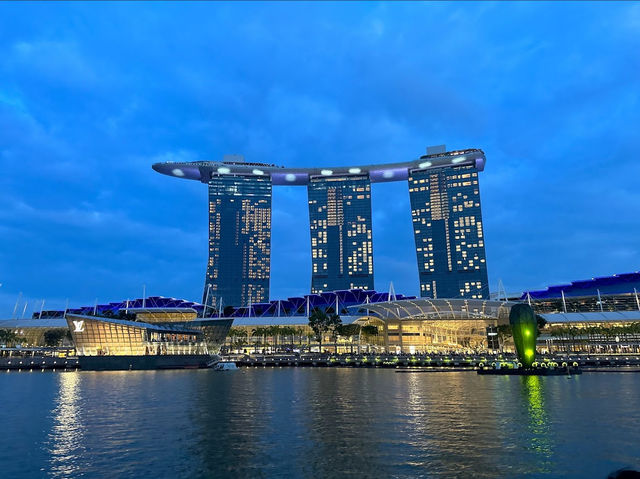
{"points": [[307, 422]]}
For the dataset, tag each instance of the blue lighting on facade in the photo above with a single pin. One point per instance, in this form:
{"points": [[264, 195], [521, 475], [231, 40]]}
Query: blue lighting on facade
{"points": [[290, 307], [616, 284]]}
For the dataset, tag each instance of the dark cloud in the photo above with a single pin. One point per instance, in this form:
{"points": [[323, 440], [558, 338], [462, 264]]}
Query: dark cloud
{"points": [[91, 95]]}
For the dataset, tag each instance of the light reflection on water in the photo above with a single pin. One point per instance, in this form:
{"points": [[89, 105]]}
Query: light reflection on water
{"points": [[539, 427], [66, 438], [317, 423]]}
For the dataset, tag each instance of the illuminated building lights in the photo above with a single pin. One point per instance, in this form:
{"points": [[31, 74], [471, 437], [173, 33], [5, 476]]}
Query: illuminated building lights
{"points": [[445, 209], [239, 240], [447, 223], [340, 225]]}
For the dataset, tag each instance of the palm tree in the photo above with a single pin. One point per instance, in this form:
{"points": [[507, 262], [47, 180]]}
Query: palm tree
{"points": [[302, 333], [322, 322], [257, 333], [274, 331], [237, 337], [289, 332], [9, 337], [504, 332], [310, 335], [348, 330]]}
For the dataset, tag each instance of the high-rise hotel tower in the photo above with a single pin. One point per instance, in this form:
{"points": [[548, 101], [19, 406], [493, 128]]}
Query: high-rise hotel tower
{"points": [[239, 240], [447, 226], [341, 237], [445, 208]]}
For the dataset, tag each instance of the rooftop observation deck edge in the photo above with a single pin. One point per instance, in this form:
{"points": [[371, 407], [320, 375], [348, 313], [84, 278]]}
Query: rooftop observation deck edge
{"points": [[204, 170]]}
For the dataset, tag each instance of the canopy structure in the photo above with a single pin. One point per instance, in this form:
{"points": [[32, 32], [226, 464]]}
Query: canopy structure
{"points": [[437, 309], [204, 170], [592, 317]]}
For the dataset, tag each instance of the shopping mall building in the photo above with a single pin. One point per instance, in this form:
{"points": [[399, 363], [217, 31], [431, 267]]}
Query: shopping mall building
{"points": [[597, 315]]}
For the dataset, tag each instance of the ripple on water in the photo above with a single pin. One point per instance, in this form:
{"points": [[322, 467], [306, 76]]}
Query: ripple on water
{"points": [[315, 423]]}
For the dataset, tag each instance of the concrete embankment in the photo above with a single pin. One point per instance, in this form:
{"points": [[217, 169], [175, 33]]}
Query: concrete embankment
{"points": [[444, 363], [37, 363], [404, 362]]}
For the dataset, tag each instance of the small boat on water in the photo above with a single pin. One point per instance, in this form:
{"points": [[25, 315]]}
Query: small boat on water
{"points": [[225, 366]]}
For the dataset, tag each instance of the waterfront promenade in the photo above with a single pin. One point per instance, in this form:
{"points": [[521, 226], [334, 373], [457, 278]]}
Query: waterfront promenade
{"points": [[431, 361], [52, 362]]}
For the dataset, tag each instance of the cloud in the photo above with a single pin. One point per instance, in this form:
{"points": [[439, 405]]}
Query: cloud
{"points": [[59, 63], [91, 99]]}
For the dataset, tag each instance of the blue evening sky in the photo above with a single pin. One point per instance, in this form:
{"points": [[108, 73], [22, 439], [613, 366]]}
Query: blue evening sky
{"points": [[92, 94]]}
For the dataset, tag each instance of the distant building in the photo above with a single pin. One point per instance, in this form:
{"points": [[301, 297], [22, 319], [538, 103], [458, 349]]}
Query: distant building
{"points": [[341, 237], [239, 240], [624, 283], [136, 326], [445, 204], [448, 231]]}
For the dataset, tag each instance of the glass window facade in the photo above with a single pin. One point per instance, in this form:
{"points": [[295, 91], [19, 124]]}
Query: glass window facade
{"points": [[101, 337], [341, 238], [238, 270], [447, 226]]}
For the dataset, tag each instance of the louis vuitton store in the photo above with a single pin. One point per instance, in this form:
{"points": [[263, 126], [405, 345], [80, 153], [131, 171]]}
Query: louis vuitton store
{"points": [[94, 336]]}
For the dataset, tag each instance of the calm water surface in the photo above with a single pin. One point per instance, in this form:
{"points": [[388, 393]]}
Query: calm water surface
{"points": [[316, 423]]}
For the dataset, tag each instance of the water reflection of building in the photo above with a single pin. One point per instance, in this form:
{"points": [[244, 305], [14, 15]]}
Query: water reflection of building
{"points": [[66, 439]]}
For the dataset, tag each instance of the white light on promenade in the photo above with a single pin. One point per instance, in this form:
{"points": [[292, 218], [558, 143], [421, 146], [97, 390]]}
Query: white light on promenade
{"points": [[355, 171], [425, 164], [326, 172], [223, 170], [290, 177], [258, 172], [177, 172]]}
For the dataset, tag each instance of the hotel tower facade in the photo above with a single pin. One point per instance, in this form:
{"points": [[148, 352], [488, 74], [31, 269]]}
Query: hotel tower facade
{"points": [[445, 207]]}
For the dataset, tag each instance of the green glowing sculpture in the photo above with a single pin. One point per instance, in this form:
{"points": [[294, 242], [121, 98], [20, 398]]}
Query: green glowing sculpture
{"points": [[524, 329]]}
